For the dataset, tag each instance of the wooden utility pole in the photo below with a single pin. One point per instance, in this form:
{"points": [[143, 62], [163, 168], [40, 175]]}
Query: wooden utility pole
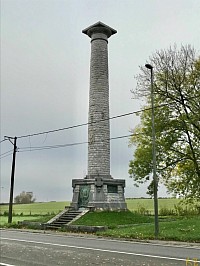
{"points": [[12, 179]]}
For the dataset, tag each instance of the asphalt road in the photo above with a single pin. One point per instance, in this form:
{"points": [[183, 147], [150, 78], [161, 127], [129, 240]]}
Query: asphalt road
{"points": [[21, 248]]}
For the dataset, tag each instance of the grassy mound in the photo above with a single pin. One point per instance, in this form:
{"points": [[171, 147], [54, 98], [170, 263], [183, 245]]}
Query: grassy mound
{"points": [[112, 218]]}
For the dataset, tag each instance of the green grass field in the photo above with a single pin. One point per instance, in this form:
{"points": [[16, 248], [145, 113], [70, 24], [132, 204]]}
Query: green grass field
{"points": [[148, 204], [30, 211], [133, 224], [113, 219], [4, 219], [185, 229], [55, 207], [36, 208]]}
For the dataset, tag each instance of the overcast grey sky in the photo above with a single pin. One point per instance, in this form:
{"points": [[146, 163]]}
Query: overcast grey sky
{"points": [[45, 81]]}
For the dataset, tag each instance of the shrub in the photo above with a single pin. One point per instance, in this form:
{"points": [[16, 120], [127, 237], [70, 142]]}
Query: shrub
{"points": [[187, 210], [142, 210], [166, 212]]}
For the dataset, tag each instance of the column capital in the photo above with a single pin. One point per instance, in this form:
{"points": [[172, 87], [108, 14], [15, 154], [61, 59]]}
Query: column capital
{"points": [[99, 27]]}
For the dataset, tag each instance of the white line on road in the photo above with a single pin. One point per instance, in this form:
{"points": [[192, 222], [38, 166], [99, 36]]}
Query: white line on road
{"points": [[5, 264], [98, 249], [177, 245], [173, 245]]}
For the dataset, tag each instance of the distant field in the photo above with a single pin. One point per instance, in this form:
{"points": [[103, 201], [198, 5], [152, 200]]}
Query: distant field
{"points": [[36, 208], [148, 204], [15, 219], [55, 207]]}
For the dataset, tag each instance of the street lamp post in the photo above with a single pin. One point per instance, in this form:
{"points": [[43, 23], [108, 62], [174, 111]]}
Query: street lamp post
{"points": [[155, 180]]}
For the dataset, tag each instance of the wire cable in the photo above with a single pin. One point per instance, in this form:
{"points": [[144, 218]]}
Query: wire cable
{"points": [[3, 140], [1, 157], [5, 153], [27, 149], [88, 123]]}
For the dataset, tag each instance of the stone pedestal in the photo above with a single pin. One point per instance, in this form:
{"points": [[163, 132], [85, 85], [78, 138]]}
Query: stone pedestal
{"points": [[98, 193], [98, 189]]}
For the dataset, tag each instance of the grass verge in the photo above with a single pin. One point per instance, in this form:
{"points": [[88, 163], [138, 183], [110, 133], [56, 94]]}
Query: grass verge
{"points": [[186, 229], [134, 226], [16, 219], [112, 219], [130, 225]]}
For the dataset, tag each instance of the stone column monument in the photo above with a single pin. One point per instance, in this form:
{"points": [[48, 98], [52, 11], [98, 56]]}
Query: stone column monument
{"points": [[98, 189]]}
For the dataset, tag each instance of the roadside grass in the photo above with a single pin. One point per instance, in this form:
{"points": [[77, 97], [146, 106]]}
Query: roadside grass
{"points": [[16, 219], [186, 229], [112, 219], [131, 225], [137, 223], [41, 208]]}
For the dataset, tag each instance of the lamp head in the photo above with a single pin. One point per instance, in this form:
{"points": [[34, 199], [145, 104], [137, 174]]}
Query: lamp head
{"points": [[148, 66]]}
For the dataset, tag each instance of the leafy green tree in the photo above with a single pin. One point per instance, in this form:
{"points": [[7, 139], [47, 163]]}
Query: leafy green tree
{"points": [[24, 198], [177, 122]]}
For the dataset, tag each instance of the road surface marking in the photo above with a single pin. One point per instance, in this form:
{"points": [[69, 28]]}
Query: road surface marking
{"points": [[116, 240], [127, 241], [5, 264], [96, 249]]}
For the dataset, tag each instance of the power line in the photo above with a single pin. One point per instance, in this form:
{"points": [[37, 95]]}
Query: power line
{"points": [[125, 136], [52, 131], [85, 124], [5, 152], [28, 149], [1, 157], [101, 120], [3, 140]]}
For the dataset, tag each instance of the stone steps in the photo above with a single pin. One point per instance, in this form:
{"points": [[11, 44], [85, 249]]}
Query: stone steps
{"points": [[65, 217]]}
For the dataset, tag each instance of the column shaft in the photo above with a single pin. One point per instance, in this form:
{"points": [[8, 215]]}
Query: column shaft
{"points": [[99, 126]]}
